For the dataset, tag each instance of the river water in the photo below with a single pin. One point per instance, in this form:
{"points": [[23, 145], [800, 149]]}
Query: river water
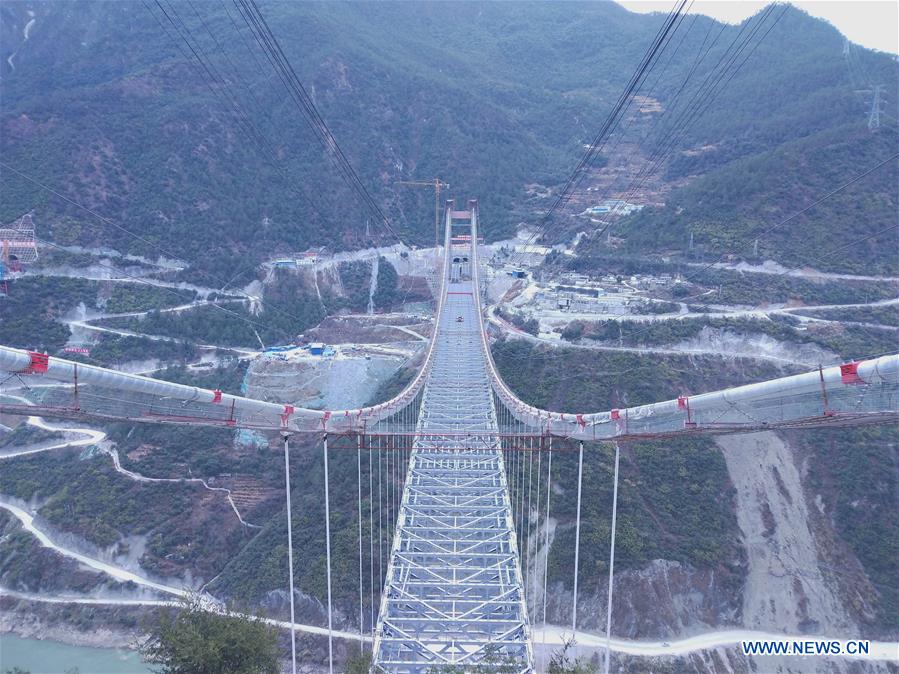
{"points": [[52, 657]]}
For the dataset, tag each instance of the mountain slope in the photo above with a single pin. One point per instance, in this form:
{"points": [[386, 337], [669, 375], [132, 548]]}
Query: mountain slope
{"points": [[102, 105], [756, 197]]}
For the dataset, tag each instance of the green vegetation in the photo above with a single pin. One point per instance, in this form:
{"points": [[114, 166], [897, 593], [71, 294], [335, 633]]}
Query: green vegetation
{"points": [[578, 380], [88, 498], [195, 640], [528, 325], [136, 297], [355, 277], [855, 475], [358, 663], [656, 307], [27, 566], [227, 377], [111, 350], [59, 257], [729, 286], [387, 293], [178, 451], [261, 566], [727, 209], [203, 325], [675, 502], [854, 342], [28, 316], [393, 385], [289, 309], [753, 288], [562, 663], [25, 434], [492, 662], [883, 315], [849, 341]]}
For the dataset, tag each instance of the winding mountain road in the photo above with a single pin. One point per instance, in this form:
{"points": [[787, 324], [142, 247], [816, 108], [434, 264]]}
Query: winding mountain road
{"points": [[555, 636], [95, 437]]}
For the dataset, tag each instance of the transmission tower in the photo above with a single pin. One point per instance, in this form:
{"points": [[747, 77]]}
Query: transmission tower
{"points": [[874, 115]]}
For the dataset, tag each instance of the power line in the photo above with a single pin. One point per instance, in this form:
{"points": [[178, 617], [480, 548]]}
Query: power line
{"points": [[701, 54], [267, 41], [702, 99], [614, 116], [218, 86], [644, 68]]}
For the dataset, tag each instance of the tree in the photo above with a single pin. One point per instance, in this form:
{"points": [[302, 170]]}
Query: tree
{"points": [[560, 663], [358, 664], [196, 640]]}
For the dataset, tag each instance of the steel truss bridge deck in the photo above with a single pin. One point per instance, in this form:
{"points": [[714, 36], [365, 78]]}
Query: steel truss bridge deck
{"points": [[454, 593]]}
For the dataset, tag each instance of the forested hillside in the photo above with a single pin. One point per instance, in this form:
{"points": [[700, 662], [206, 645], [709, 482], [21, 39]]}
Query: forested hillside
{"points": [[754, 198], [104, 103]]}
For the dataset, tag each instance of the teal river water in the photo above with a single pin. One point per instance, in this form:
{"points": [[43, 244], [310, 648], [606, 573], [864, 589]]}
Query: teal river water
{"points": [[52, 657]]}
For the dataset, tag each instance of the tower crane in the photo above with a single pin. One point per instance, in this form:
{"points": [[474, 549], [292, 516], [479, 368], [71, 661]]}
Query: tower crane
{"points": [[437, 185]]}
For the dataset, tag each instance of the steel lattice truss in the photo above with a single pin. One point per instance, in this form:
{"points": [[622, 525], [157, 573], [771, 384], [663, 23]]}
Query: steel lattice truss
{"points": [[454, 595], [17, 240]]}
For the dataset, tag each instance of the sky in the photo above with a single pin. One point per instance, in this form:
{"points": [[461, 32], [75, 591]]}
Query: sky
{"points": [[870, 23]]}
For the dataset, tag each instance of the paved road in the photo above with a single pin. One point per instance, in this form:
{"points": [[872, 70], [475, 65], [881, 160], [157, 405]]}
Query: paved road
{"points": [[555, 635]]}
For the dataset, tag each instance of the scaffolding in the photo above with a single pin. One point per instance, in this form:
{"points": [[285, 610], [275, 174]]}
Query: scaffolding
{"points": [[18, 242]]}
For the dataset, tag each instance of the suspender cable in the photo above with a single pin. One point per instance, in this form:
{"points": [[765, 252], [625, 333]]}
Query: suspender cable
{"points": [[397, 439], [577, 535], [525, 501], [328, 554], [388, 439], [537, 531], [392, 457], [612, 561], [528, 588], [520, 482], [380, 516], [517, 454], [359, 504], [549, 491], [293, 626], [371, 536], [513, 471]]}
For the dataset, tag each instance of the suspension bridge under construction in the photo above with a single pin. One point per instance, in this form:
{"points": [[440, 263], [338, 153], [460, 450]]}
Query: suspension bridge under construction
{"points": [[455, 592]]}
